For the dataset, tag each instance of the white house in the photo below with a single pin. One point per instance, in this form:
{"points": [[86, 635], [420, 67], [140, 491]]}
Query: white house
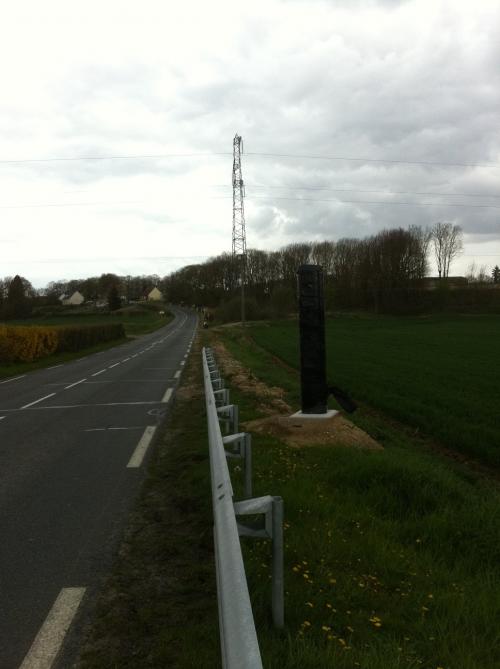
{"points": [[73, 300], [155, 294]]}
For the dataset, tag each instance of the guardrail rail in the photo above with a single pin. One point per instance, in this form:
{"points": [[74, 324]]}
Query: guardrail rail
{"points": [[238, 637]]}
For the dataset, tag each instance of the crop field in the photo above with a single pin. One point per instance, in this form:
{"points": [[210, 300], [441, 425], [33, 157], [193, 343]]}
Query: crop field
{"points": [[436, 374], [391, 556]]}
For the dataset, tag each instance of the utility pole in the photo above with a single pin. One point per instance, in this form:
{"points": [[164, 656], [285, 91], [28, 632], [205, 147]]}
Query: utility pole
{"points": [[239, 252]]}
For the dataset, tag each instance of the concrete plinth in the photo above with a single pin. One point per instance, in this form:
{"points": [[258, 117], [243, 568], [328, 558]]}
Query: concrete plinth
{"points": [[315, 416]]}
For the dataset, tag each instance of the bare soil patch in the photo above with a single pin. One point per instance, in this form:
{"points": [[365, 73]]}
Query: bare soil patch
{"points": [[271, 398], [335, 431]]}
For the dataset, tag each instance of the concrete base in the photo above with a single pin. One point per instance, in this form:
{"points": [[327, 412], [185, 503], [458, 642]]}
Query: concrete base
{"points": [[316, 416]]}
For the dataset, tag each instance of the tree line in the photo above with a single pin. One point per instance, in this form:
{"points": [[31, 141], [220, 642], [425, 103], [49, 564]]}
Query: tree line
{"points": [[18, 297], [384, 271]]}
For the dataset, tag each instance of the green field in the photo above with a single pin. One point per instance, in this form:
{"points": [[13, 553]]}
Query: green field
{"points": [[437, 374], [391, 557]]}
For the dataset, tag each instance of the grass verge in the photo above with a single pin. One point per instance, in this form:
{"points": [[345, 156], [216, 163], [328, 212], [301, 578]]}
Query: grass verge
{"points": [[159, 607], [392, 558]]}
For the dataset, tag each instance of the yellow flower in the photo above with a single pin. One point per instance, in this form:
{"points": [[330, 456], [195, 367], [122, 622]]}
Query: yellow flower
{"points": [[325, 628], [306, 623]]}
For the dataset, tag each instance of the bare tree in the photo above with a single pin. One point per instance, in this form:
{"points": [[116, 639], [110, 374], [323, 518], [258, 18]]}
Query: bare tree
{"points": [[448, 244]]}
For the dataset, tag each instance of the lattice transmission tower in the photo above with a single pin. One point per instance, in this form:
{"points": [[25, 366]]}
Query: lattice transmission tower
{"points": [[239, 253]]}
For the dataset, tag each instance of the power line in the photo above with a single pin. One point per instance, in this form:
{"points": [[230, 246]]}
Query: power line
{"points": [[373, 160], [250, 153], [410, 204], [384, 192], [69, 204], [131, 157]]}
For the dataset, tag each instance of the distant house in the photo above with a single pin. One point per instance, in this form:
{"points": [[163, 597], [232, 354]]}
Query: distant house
{"points": [[72, 300], [155, 294]]}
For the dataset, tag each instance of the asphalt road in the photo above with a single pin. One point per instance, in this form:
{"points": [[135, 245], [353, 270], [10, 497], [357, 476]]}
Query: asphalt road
{"points": [[72, 443]]}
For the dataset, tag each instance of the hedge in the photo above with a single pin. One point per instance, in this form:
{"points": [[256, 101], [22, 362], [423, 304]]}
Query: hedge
{"points": [[26, 344]]}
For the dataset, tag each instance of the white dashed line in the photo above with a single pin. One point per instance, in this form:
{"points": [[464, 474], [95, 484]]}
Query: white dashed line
{"points": [[51, 635], [16, 378], [36, 401], [2, 417], [55, 366], [97, 373], [177, 374], [168, 395], [182, 363], [115, 365], [125, 359], [105, 429], [141, 448], [71, 385]]}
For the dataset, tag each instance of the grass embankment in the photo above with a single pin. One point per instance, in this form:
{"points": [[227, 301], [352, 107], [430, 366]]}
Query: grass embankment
{"points": [[159, 607], [437, 374], [134, 325], [392, 558]]}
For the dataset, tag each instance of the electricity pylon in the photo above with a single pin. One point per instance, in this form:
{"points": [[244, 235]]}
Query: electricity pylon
{"points": [[239, 253]]}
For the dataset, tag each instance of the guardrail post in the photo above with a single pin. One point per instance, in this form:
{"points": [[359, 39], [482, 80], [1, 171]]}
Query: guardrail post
{"points": [[221, 397], [243, 442], [271, 528], [278, 603], [229, 415]]}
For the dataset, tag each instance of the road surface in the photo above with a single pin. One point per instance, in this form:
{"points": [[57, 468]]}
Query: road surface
{"points": [[73, 439]]}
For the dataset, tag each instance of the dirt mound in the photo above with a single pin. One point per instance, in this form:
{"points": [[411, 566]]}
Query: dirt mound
{"points": [[271, 398], [296, 431]]}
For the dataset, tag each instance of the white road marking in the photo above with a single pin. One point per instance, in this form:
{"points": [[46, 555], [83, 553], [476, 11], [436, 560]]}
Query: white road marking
{"points": [[141, 448], [104, 429], [97, 373], [51, 635], [71, 385], [102, 383], [182, 363], [177, 374], [115, 365], [168, 395], [16, 378], [2, 417], [125, 359], [55, 366], [36, 401], [77, 406]]}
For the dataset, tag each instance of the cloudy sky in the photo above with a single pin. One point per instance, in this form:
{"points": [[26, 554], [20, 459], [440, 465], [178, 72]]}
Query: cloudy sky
{"points": [[117, 120]]}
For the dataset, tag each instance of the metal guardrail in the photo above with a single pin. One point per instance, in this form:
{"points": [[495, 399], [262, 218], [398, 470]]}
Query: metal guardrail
{"points": [[239, 644]]}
